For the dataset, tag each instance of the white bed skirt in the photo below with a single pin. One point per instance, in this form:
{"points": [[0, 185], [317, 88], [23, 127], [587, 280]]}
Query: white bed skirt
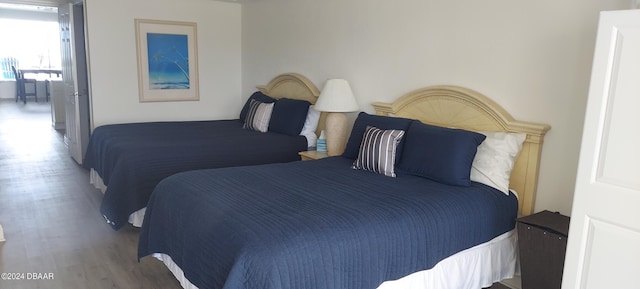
{"points": [[474, 268], [135, 218]]}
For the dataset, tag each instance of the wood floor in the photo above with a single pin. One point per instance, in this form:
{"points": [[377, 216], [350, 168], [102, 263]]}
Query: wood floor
{"points": [[499, 286], [50, 215]]}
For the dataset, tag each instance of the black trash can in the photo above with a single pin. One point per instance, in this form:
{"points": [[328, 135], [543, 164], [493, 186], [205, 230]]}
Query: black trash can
{"points": [[542, 241]]}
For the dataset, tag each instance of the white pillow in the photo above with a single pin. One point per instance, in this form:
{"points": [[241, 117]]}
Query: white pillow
{"points": [[495, 158], [310, 126]]}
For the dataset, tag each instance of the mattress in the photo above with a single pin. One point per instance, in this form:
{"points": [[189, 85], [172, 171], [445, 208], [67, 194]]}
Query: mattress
{"points": [[315, 224]]}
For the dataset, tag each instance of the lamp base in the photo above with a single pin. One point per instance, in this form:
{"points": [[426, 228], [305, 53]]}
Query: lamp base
{"points": [[336, 133]]}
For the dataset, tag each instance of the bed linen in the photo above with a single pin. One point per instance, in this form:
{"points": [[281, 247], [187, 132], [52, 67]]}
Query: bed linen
{"points": [[492, 261], [316, 224], [132, 158]]}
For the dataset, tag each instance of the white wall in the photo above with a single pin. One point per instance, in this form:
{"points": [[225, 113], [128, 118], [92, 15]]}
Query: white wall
{"points": [[533, 58], [7, 89], [113, 64]]}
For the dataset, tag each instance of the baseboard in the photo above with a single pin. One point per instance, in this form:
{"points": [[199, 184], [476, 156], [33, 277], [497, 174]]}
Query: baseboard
{"points": [[1, 234]]}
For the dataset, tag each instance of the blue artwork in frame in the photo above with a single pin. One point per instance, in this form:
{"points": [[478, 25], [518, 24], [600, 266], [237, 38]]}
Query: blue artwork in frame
{"points": [[167, 60]]}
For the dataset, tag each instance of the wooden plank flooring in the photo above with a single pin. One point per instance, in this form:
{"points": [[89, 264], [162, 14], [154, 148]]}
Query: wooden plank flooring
{"points": [[50, 215], [499, 286]]}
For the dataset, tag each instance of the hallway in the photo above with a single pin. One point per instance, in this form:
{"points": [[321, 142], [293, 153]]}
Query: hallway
{"points": [[50, 214]]}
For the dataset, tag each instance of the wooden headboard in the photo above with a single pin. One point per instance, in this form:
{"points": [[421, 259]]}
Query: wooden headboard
{"points": [[294, 86], [458, 107], [291, 85]]}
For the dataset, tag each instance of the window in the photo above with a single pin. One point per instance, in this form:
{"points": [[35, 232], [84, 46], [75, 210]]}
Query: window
{"points": [[28, 44]]}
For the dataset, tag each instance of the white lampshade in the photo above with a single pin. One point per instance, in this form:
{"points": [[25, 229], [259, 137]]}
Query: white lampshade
{"points": [[336, 96]]}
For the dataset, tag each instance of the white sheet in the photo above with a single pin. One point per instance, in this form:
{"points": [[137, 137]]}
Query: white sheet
{"points": [[474, 268]]}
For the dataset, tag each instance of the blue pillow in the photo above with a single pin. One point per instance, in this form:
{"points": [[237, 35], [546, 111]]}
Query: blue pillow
{"points": [[258, 96], [441, 154], [288, 116], [382, 122]]}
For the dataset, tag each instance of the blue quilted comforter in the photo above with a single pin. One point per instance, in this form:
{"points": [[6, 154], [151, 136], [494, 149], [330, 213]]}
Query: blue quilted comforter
{"points": [[314, 224], [132, 158]]}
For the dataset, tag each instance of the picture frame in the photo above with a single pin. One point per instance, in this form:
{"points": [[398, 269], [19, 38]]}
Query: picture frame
{"points": [[167, 53]]}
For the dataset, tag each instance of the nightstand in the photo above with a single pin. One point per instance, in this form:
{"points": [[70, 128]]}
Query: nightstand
{"points": [[312, 155], [542, 240]]}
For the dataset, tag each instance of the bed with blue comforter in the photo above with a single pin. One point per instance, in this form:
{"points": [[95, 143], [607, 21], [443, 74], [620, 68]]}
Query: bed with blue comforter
{"points": [[132, 158], [419, 200], [315, 224]]}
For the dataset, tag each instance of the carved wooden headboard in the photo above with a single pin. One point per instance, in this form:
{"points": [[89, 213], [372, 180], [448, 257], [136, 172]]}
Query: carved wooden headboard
{"points": [[458, 107], [294, 86]]}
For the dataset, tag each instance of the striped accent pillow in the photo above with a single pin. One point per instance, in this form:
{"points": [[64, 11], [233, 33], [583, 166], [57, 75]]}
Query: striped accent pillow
{"points": [[258, 116], [378, 151]]}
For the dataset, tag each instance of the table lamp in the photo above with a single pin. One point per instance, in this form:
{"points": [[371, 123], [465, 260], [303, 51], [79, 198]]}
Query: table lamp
{"points": [[336, 98]]}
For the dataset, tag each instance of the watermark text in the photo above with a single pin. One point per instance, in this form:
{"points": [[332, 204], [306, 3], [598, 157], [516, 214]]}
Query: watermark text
{"points": [[9, 276]]}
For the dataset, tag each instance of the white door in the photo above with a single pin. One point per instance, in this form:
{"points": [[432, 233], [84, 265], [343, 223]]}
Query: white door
{"points": [[74, 78], [604, 237]]}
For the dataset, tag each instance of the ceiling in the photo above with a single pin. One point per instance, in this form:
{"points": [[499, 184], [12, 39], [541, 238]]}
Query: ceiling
{"points": [[56, 3], [48, 3]]}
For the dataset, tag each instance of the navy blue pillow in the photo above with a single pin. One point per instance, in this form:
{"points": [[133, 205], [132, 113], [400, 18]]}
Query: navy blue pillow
{"points": [[441, 154], [382, 122], [288, 116], [259, 96]]}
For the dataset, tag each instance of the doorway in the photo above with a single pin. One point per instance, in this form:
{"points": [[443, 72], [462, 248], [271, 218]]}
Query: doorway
{"points": [[31, 44]]}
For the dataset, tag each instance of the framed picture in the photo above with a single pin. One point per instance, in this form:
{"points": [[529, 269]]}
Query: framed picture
{"points": [[167, 60]]}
